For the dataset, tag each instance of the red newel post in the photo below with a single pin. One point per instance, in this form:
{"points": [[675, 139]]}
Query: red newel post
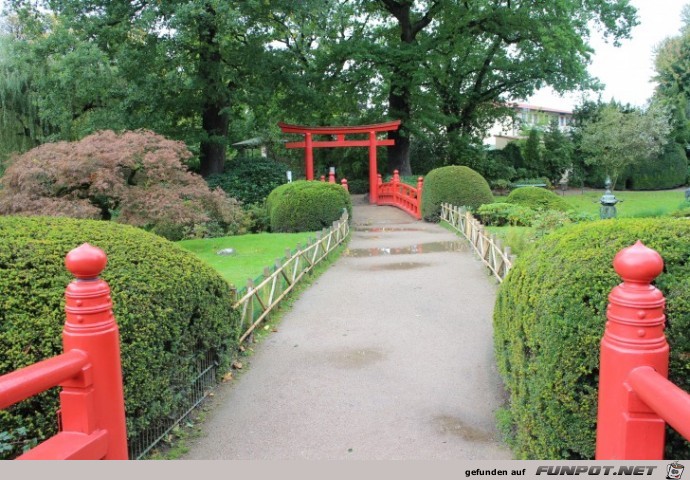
{"points": [[343, 182], [420, 186], [634, 337], [323, 178], [91, 328], [379, 181], [331, 175]]}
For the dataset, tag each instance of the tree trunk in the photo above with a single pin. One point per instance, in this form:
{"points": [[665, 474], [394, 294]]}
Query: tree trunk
{"points": [[212, 150], [399, 155], [214, 120], [400, 95], [400, 108]]}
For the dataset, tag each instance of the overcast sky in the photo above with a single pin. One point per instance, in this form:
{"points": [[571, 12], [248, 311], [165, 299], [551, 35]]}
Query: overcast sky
{"points": [[627, 71]]}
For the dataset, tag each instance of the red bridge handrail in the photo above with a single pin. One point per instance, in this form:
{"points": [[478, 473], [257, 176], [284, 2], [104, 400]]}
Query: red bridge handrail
{"points": [[635, 397], [39, 377], [92, 411], [669, 401], [401, 195]]}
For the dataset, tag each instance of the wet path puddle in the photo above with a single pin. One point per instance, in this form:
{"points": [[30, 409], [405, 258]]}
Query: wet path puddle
{"points": [[358, 358], [396, 266], [387, 229], [447, 424], [432, 247]]}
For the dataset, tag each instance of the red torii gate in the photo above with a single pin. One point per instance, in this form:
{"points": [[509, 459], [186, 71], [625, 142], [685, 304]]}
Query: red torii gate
{"points": [[308, 144]]}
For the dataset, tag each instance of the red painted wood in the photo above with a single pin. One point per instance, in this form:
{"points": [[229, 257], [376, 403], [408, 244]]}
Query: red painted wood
{"points": [[663, 396], [308, 156], [373, 169], [91, 327], [335, 130], [401, 195], [91, 401], [340, 141], [71, 446], [39, 377], [383, 142], [627, 428]]}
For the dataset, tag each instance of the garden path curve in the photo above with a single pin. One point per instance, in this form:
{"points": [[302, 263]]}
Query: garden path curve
{"points": [[387, 356]]}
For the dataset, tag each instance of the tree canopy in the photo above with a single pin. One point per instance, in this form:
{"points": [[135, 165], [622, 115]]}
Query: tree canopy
{"points": [[619, 139], [211, 72]]}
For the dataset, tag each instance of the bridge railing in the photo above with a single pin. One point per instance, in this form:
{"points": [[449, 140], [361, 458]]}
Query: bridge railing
{"points": [[635, 397], [261, 296], [493, 254], [92, 412], [331, 179], [401, 195]]}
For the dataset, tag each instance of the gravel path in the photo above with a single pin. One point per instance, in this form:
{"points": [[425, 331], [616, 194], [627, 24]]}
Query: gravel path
{"points": [[387, 356]]}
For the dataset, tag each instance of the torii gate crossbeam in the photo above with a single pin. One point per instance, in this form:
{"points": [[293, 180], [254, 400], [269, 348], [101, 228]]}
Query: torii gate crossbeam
{"points": [[308, 144]]}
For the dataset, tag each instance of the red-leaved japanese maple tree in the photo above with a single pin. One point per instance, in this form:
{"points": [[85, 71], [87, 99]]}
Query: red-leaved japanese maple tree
{"points": [[137, 178]]}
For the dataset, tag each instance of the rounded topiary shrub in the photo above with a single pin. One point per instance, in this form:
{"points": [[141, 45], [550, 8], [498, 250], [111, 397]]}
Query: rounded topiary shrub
{"points": [[458, 185], [549, 320], [305, 206], [173, 311], [537, 198], [500, 214]]}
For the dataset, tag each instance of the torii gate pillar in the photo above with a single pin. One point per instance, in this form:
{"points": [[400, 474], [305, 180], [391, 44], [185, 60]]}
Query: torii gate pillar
{"points": [[373, 170], [371, 142]]}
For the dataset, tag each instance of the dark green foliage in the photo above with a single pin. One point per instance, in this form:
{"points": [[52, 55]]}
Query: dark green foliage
{"points": [[257, 219], [668, 170], [532, 153], [549, 319], [496, 166], [557, 154], [513, 155], [499, 214], [457, 185], [249, 180], [538, 199], [358, 186], [305, 206], [171, 309]]}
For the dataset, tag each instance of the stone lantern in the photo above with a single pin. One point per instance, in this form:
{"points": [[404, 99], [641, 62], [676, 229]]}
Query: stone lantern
{"points": [[608, 202]]}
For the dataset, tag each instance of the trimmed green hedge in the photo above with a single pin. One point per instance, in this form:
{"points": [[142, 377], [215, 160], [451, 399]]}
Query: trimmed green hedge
{"points": [[306, 206], [458, 185], [537, 198], [549, 319], [171, 308]]}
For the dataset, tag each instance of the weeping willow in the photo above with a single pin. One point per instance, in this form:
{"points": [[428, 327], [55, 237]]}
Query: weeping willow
{"points": [[20, 125]]}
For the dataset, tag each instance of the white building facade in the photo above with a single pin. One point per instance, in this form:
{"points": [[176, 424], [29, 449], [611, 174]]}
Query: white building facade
{"points": [[525, 119]]}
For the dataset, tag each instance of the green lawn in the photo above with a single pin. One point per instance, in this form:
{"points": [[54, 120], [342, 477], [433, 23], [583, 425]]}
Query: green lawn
{"points": [[252, 253], [635, 204]]}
